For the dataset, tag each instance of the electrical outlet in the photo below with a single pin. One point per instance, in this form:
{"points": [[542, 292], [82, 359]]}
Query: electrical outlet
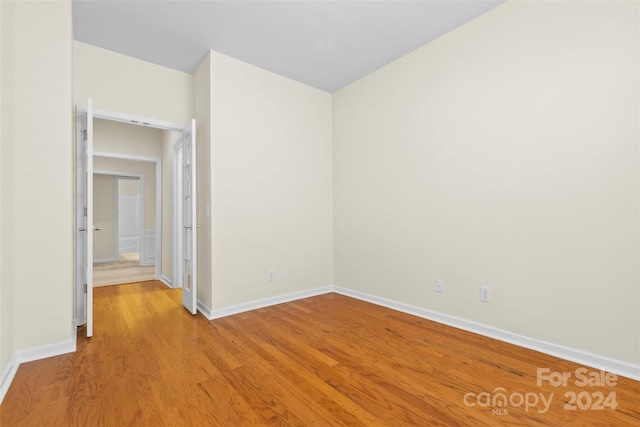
{"points": [[485, 294], [271, 275], [438, 286]]}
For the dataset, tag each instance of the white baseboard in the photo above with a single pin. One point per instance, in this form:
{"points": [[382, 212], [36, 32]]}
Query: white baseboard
{"points": [[266, 302], [45, 351], [166, 281], [206, 311], [30, 355], [7, 376], [619, 367]]}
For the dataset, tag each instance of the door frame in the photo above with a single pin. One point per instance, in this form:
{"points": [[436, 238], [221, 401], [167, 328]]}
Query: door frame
{"points": [[81, 306]]}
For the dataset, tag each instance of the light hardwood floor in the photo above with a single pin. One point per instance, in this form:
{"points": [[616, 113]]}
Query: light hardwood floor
{"points": [[126, 270], [324, 361]]}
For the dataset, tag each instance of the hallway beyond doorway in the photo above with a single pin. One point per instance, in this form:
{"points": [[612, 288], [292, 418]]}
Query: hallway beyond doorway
{"points": [[126, 270]]}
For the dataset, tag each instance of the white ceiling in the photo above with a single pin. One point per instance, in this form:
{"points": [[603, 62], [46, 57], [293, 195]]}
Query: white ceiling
{"points": [[325, 44]]}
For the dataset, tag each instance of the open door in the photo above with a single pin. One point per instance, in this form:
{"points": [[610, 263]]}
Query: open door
{"points": [[84, 241], [81, 216], [189, 271]]}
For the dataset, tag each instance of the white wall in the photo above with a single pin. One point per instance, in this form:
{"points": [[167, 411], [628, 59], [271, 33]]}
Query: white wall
{"points": [[503, 154], [36, 108], [271, 196]]}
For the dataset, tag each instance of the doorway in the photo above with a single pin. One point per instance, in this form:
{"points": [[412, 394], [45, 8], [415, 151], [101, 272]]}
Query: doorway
{"points": [[85, 217], [123, 251]]}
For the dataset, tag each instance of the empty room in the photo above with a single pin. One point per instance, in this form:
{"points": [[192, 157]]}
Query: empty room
{"points": [[351, 213]]}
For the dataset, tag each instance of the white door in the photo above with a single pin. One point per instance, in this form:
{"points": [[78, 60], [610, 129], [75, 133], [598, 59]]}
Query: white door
{"points": [[81, 217], [189, 271], [129, 229], [84, 186], [178, 213]]}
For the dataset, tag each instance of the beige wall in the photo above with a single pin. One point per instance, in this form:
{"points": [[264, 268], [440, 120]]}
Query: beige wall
{"points": [[122, 138], [129, 187], [127, 85], [36, 100], [503, 154], [271, 196], [105, 244]]}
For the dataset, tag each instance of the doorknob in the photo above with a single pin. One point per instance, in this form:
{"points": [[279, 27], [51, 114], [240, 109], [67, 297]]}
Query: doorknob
{"points": [[97, 228], [82, 229]]}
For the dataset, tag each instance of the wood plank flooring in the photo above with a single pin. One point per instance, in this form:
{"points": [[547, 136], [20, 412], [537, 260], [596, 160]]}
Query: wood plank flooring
{"points": [[324, 361], [126, 270]]}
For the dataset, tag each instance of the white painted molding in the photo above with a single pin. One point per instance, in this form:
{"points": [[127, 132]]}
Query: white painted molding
{"points": [[74, 337], [206, 311], [7, 376], [136, 120], [30, 355], [595, 361], [149, 245], [45, 351], [266, 302], [164, 279], [131, 157]]}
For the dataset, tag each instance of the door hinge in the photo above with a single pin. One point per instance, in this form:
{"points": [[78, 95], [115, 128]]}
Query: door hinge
{"points": [[84, 134], [85, 288], [85, 211]]}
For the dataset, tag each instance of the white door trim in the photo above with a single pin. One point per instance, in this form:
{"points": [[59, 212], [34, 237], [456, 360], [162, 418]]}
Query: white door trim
{"points": [[158, 166], [137, 120]]}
